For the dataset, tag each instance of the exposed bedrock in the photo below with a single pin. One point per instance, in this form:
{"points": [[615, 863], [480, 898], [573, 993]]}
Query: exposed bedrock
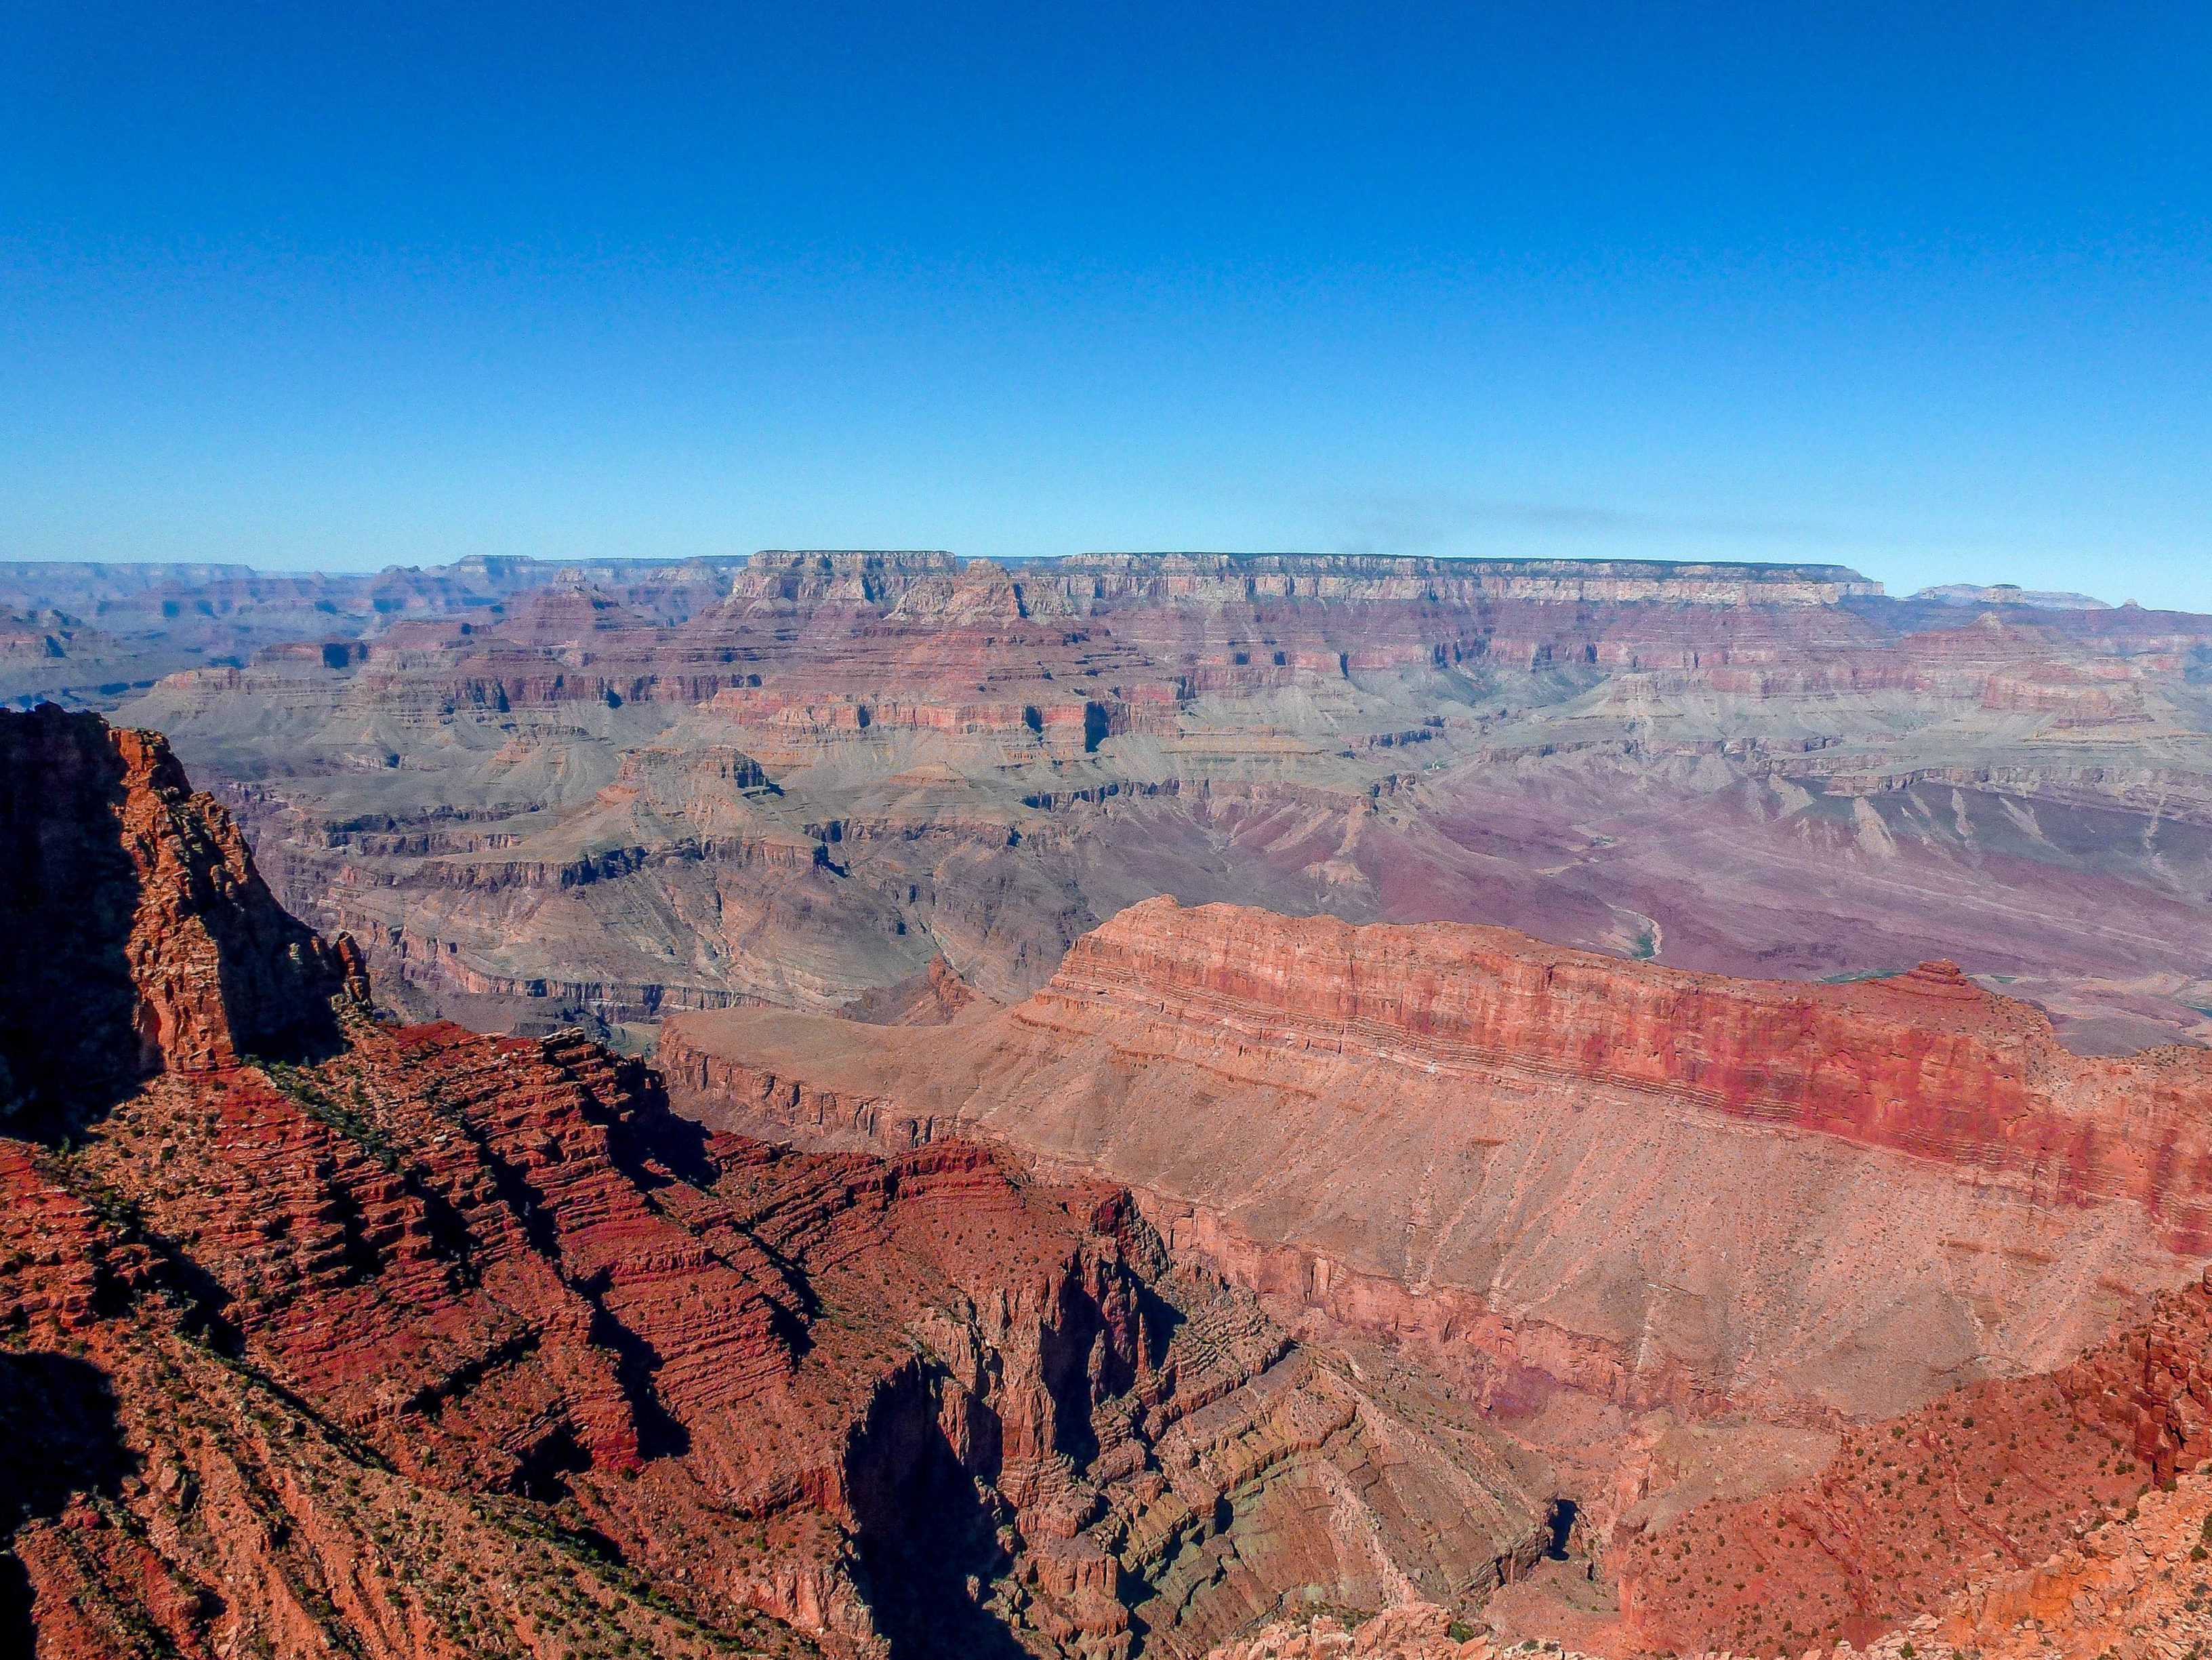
{"points": [[419, 1342], [2012, 1483], [539, 796], [1536, 1164], [135, 934]]}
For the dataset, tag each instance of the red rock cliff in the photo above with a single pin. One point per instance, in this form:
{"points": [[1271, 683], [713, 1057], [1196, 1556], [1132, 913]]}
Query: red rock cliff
{"points": [[134, 934], [437, 1345], [1927, 1062]]}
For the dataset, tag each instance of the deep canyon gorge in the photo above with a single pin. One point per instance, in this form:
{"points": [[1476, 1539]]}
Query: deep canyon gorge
{"points": [[885, 1105]]}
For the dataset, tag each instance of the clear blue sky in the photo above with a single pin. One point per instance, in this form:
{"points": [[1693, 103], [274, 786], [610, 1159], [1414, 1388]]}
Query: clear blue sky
{"points": [[1926, 289]]}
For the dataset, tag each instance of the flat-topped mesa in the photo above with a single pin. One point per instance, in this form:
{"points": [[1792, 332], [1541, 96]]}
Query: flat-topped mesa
{"points": [[871, 577], [1221, 576], [1926, 1062], [136, 936]]}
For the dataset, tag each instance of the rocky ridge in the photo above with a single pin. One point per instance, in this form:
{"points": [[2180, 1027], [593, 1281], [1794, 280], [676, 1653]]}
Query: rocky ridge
{"points": [[429, 1343], [1925, 1062], [486, 783], [1544, 1169], [141, 937]]}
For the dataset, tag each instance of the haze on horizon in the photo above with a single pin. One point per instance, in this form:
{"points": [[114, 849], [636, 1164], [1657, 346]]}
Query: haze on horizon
{"points": [[1922, 293]]}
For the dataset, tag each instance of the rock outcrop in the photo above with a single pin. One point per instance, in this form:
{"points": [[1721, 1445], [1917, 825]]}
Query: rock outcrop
{"points": [[1545, 1169], [136, 935], [1926, 1062], [425, 1343]]}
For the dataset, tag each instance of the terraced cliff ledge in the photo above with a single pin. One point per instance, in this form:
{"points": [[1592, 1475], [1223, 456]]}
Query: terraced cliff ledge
{"points": [[1548, 1167], [417, 1342]]}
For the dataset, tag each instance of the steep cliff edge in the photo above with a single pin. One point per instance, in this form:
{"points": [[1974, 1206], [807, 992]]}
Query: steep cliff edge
{"points": [[432, 1344], [1539, 1167], [1927, 1063], [136, 935]]}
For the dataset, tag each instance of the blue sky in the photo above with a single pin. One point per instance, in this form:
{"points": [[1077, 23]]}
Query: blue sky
{"points": [[1924, 290]]}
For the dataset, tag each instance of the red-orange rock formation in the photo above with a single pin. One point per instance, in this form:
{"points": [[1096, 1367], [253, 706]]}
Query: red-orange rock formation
{"points": [[1417, 1632], [427, 1343], [1993, 1481], [1926, 1062], [1543, 1167], [934, 997], [134, 933]]}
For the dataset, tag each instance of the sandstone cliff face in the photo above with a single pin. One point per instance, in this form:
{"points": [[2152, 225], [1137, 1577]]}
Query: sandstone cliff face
{"points": [[134, 933], [429, 1342], [1540, 1169], [1927, 1062]]}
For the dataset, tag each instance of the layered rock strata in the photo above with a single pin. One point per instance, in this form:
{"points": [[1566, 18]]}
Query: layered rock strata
{"points": [[1926, 1062], [795, 780], [881, 1402], [427, 1343], [1540, 1168], [136, 935], [541, 796]]}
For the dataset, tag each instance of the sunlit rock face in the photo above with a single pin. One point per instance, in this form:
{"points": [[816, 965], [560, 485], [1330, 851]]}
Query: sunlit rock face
{"points": [[319, 1333], [540, 795]]}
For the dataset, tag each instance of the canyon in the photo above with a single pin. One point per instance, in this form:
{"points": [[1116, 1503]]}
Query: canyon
{"points": [[1133, 1104], [596, 795], [1682, 1238], [405, 1339], [1661, 1187]]}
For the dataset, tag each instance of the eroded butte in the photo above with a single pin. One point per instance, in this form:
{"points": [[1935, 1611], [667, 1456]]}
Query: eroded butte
{"points": [[599, 793]]}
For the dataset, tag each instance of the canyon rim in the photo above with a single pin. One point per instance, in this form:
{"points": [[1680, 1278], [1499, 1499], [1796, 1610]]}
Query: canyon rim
{"points": [[1137, 1105]]}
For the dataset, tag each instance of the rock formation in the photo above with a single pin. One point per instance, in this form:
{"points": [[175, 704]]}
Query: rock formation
{"points": [[599, 793], [134, 933], [2012, 1485], [423, 1342], [1544, 1168]]}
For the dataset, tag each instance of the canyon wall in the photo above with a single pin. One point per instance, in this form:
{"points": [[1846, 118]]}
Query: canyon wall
{"points": [[480, 772], [1925, 1062], [134, 933], [414, 1341], [2010, 1481], [1541, 1168]]}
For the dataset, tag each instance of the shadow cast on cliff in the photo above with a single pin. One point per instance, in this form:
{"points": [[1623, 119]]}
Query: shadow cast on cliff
{"points": [[69, 1046], [925, 1531], [59, 1437], [99, 975]]}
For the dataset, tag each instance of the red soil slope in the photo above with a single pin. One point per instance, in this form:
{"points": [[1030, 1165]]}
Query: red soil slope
{"points": [[1997, 1478]]}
